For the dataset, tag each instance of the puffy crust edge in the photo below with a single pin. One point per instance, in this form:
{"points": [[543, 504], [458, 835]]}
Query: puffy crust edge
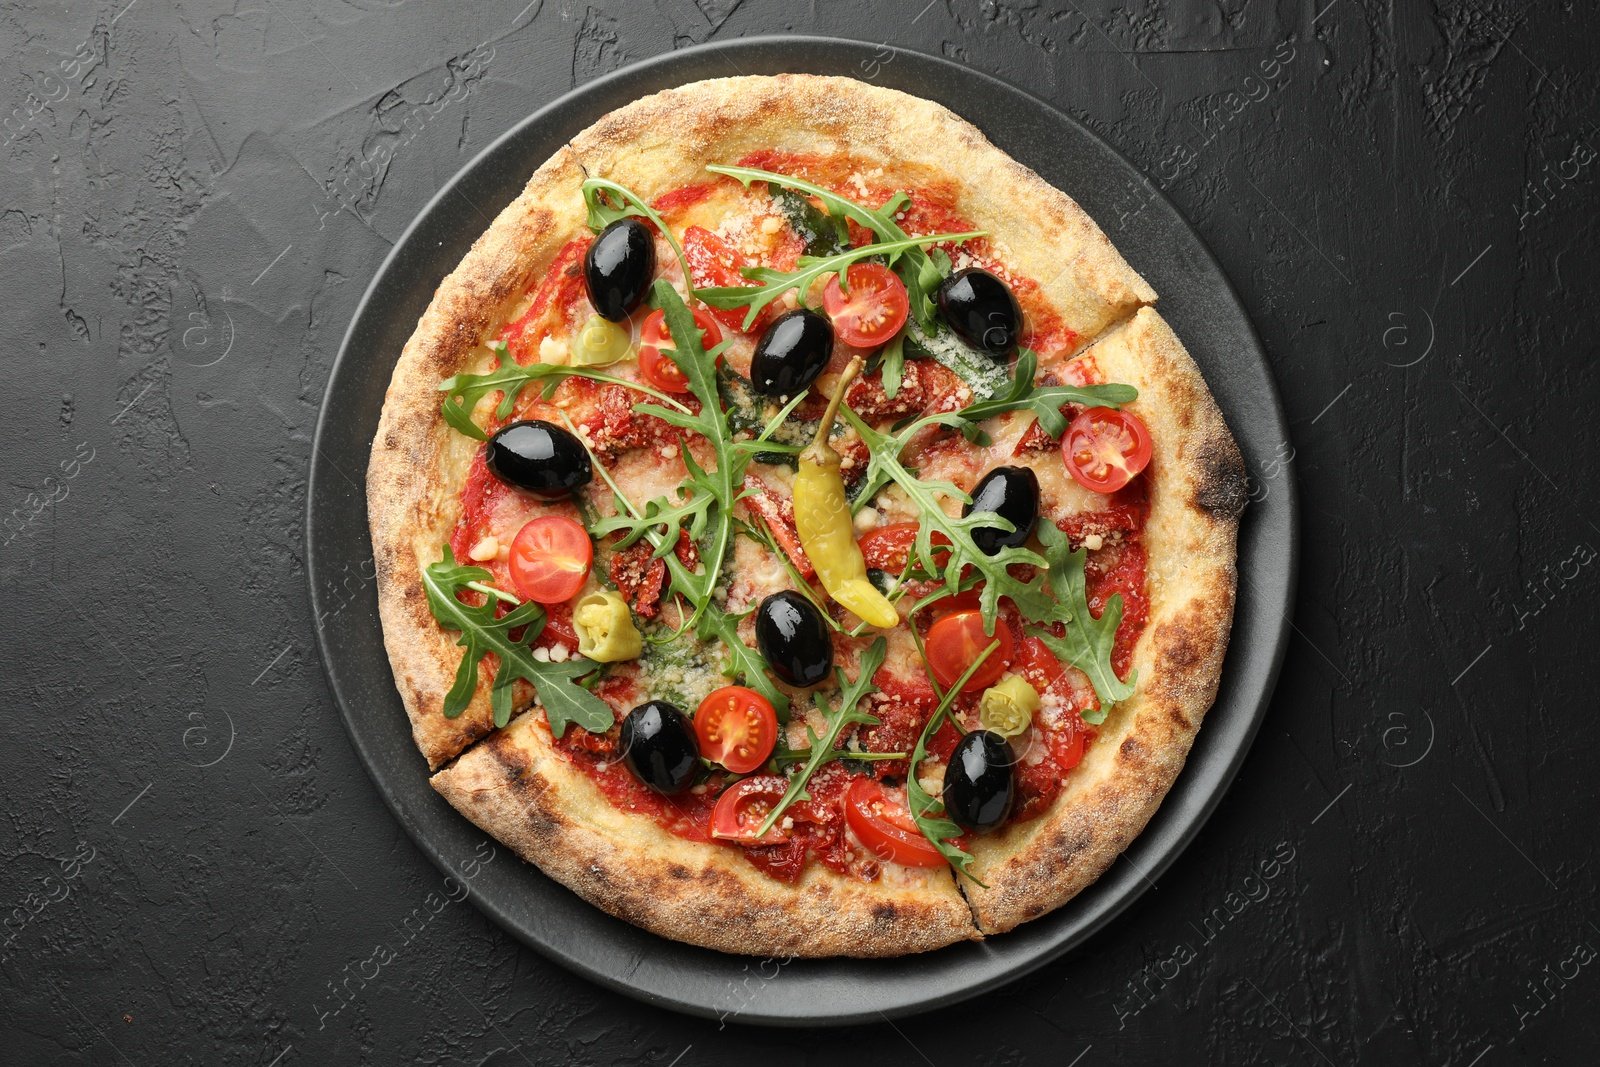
{"points": [[1197, 495], [516, 786]]}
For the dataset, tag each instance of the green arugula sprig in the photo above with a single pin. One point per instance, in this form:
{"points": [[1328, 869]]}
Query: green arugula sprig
{"points": [[463, 392], [1088, 641], [773, 283], [1045, 401], [920, 271], [927, 811], [706, 497], [884, 466], [482, 633], [825, 749], [602, 214]]}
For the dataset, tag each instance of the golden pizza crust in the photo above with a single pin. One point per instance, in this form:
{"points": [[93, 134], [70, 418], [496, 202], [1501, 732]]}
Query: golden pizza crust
{"points": [[515, 785], [1197, 492], [518, 787]]}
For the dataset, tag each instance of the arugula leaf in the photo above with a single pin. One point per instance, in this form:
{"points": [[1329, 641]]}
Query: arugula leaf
{"points": [[884, 466], [602, 214], [826, 748], [894, 364], [464, 391], [1044, 401], [774, 283], [1088, 641], [920, 271], [482, 633]]}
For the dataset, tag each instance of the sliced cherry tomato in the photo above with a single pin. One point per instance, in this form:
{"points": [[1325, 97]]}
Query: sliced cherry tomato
{"points": [[743, 805], [550, 559], [886, 827], [956, 641], [655, 340], [714, 263], [1104, 449], [888, 547], [737, 728], [872, 311]]}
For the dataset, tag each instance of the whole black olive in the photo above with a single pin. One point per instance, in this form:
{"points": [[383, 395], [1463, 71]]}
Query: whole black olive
{"points": [[793, 638], [659, 746], [540, 457], [619, 267], [981, 310], [979, 784], [1011, 493], [791, 353]]}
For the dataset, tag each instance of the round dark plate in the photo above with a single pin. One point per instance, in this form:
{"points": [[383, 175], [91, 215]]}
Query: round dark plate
{"points": [[1195, 297]]}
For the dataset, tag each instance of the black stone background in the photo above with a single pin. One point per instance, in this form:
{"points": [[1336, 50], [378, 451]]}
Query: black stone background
{"points": [[198, 870]]}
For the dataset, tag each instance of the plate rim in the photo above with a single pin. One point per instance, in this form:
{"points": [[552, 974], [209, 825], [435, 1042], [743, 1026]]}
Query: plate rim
{"points": [[346, 359]]}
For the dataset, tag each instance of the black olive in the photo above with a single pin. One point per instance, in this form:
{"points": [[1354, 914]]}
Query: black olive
{"points": [[791, 353], [981, 310], [619, 267], [793, 638], [979, 785], [1011, 493], [540, 457], [659, 747]]}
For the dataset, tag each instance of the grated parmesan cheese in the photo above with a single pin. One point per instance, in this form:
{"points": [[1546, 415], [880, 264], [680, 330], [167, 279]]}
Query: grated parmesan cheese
{"points": [[486, 549], [1093, 541]]}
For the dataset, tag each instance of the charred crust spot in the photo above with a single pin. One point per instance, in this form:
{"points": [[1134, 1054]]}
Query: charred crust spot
{"points": [[885, 913], [679, 871], [1221, 492]]}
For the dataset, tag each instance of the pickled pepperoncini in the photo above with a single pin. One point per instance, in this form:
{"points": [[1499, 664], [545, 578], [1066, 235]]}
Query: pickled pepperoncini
{"points": [[822, 519], [606, 633]]}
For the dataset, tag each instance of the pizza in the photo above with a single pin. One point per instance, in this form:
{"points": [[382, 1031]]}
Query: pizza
{"points": [[796, 531]]}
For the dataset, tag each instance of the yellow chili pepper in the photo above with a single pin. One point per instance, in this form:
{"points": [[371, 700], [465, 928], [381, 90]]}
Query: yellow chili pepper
{"points": [[822, 518], [606, 633], [1007, 708]]}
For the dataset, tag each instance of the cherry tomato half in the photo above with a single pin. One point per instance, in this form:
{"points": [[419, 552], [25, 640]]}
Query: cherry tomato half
{"points": [[955, 641], [886, 827], [737, 728], [872, 311], [550, 559], [888, 547], [655, 340], [743, 805], [1105, 448]]}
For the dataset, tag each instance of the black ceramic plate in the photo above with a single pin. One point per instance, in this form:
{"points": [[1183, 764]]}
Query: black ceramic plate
{"points": [[1195, 298]]}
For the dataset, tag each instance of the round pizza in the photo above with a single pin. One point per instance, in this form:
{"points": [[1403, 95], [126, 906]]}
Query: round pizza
{"points": [[796, 531]]}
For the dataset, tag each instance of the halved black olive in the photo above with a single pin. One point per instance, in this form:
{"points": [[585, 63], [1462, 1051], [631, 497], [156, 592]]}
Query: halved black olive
{"points": [[619, 267], [980, 781], [1011, 493], [659, 746], [539, 457], [793, 638], [981, 310], [791, 353]]}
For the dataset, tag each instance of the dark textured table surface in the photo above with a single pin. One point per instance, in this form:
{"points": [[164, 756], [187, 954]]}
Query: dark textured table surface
{"points": [[196, 864]]}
